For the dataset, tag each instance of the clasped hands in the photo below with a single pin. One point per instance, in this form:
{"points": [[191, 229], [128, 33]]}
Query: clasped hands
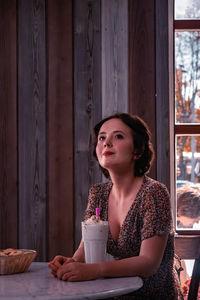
{"points": [[66, 268]]}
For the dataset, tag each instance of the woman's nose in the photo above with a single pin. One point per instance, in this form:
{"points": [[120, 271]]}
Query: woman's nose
{"points": [[108, 142]]}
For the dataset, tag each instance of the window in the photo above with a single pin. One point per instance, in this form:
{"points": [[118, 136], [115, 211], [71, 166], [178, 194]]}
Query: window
{"points": [[186, 114]]}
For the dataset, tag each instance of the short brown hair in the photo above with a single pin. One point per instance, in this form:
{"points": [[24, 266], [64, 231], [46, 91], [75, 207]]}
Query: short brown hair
{"points": [[188, 201], [141, 141]]}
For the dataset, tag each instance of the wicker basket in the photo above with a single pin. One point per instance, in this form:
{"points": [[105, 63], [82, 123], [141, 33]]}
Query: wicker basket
{"points": [[11, 264]]}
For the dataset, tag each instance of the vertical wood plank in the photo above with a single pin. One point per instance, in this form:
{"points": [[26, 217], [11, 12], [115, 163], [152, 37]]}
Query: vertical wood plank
{"points": [[114, 56], [162, 92], [60, 128], [8, 125], [87, 100], [142, 92], [171, 104], [32, 126]]}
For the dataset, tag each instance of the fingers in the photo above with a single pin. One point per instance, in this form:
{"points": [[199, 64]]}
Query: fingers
{"points": [[68, 260], [54, 273], [69, 277], [53, 267], [66, 271], [61, 271], [58, 266], [57, 262], [69, 271]]}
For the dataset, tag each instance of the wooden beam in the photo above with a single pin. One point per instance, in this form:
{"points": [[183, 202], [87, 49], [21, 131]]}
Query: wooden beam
{"points": [[187, 25], [60, 128], [142, 94], [8, 126], [185, 129], [162, 92]]}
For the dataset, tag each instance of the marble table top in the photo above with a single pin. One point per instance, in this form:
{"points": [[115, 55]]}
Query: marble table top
{"points": [[38, 283]]}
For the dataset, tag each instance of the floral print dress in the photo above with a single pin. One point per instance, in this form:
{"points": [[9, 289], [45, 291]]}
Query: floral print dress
{"points": [[149, 215]]}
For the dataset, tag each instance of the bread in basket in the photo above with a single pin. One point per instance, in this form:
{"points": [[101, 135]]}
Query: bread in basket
{"points": [[15, 260]]}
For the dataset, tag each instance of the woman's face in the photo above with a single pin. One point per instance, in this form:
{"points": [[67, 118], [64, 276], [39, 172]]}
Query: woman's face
{"points": [[115, 148]]}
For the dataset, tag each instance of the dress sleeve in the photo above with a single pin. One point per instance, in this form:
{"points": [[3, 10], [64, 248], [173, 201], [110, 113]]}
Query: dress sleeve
{"points": [[157, 218], [92, 202]]}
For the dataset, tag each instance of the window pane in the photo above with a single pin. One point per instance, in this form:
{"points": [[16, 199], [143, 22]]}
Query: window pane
{"points": [[188, 181], [187, 77], [187, 9]]}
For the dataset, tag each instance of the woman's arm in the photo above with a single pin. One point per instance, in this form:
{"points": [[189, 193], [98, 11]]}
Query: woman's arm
{"points": [[79, 254], [146, 264]]}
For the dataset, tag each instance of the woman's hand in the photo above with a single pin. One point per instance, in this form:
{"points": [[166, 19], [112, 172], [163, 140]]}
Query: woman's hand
{"points": [[57, 262], [76, 271]]}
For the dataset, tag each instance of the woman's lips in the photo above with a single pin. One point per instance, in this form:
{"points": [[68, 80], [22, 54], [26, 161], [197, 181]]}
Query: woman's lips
{"points": [[108, 153]]}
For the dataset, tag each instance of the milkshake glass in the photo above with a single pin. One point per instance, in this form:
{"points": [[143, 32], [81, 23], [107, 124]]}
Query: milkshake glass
{"points": [[95, 236]]}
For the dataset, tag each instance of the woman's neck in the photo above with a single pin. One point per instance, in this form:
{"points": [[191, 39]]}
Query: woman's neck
{"points": [[126, 185]]}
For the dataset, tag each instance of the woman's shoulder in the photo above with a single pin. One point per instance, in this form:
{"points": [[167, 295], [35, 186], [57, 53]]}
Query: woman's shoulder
{"points": [[102, 187], [154, 185]]}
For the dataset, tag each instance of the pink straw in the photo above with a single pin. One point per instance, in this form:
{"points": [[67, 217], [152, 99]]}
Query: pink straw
{"points": [[97, 212]]}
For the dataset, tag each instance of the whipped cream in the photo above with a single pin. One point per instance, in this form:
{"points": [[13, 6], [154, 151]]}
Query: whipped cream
{"points": [[94, 219]]}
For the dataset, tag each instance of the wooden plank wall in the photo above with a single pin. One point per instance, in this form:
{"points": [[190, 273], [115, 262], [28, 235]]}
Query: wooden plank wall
{"points": [[60, 128], [149, 76], [100, 84], [32, 126], [87, 101], [8, 125], [142, 64], [36, 126], [114, 56], [64, 66]]}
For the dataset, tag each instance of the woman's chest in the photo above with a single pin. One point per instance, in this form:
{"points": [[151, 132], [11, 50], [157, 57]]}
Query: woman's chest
{"points": [[126, 241], [117, 216]]}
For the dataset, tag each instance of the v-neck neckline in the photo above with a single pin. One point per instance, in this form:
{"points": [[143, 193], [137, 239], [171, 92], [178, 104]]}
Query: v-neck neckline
{"points": [[128, 213]]}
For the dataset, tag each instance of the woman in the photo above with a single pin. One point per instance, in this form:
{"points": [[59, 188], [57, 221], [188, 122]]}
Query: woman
{"points": [[137, 209]]}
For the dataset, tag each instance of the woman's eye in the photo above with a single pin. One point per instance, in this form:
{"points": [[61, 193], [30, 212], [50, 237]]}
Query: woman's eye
{"points": [[101, 138], [119, 136]]}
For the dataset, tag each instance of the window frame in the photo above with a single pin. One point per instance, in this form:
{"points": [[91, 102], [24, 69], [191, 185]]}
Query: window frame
{"points": [[175, 129]]}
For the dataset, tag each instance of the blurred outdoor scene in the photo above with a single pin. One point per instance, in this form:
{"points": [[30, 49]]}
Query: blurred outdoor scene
{"points": [[187, 112]]}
